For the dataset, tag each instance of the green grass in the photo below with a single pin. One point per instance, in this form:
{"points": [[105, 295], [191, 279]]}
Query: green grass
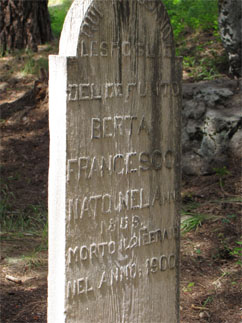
{"points": [[6, 198], [194, 221], [32, 219], [192, 15], [34, 260], [33, 65], [57, 15]]}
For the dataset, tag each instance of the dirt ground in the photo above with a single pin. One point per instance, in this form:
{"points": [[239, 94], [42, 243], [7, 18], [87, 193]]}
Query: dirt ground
{"points": [[211, 277]]}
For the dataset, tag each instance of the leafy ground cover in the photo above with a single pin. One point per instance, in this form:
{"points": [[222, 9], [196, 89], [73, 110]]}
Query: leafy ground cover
{"points": [[211, 210]]}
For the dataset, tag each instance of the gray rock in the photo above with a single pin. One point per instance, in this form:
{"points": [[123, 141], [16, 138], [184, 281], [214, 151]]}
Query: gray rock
{"points": [[211, 120], [194, 109], [236, 144], [192, 164], [213, 95]]}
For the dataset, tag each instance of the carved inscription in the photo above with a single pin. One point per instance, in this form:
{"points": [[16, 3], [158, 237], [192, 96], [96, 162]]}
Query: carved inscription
{"points": [[120, 275], [115, 97], [119, 224], [94, 48], [78, 287], [87, 167], [107, 203], [124, 147], [96, 251], [107, 127], [109, 90], [161, 263], [91, 21]]}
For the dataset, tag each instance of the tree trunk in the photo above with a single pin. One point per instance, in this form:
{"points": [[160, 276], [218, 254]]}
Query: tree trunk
{"points": [[230, 25], [23, 24]]}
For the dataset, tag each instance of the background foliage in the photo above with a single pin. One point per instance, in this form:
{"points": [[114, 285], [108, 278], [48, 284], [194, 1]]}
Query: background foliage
{"points": [[184, 14], [58, 11], [191, 15]]}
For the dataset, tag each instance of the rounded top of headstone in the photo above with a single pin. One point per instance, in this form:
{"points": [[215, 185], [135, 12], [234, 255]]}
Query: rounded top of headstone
{"points": [[85, 20], [71, 28]]}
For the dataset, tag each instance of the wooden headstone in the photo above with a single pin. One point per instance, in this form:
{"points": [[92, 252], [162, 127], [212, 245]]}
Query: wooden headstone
{"points": [[114, 178]]}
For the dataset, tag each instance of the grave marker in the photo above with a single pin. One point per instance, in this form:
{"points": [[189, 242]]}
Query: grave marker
{"points": [[115, 92]]}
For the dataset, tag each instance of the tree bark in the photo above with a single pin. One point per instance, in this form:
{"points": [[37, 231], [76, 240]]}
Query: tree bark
{"points": [[230, 25], [24, 24]]}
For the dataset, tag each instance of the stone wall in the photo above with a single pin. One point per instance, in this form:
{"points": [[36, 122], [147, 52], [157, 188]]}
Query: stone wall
{"points": [[211, 125]]}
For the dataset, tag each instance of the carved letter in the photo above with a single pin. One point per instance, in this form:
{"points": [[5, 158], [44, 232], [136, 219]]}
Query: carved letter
{"points": [[124, 222], [83, 163], [84, 253], [129, 89], [114, 275], [115, 158], [142, 203], [109, 94], [93, 48], [84, 91], [132, 270], [94, 167], [135, 221], [94, 95], [80, 286], [123, 202], [135, 199], [106, 206], [73, 254], [73, 209], [143, 126], [130, 127], [156, 159], [104, 166], [172, 261], [101, 246], [96, 128], [83, 49], [118, 125], [93, 250], [70, 169], [169, 159], [129, 163], [163, 263], [103, 280], [126, 48], [95, 199], [144, 159], [111, 247], [73, 92], [84, 207], [104, 48], [107, 132]]}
